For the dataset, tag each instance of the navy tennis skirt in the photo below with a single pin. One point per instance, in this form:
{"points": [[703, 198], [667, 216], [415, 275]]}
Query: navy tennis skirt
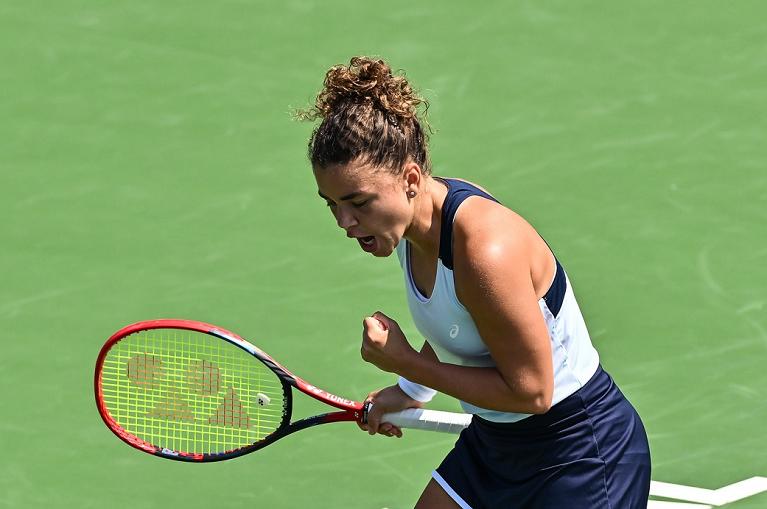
{"points": [[589, 451]]}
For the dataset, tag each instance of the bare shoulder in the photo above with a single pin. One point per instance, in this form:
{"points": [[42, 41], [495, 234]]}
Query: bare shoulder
{"points": [[480, 221], [486, 230], [473, 214], [491, 240]]}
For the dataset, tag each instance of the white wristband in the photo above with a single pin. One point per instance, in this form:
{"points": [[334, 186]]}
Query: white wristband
{"points": [[416, 391]]}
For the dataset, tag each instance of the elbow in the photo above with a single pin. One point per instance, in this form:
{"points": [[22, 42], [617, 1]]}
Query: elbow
{"points": [[540, 404], [532, 396], [529, 404], [538, 401]]}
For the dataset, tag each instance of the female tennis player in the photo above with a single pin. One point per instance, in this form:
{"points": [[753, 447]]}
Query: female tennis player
{"points": [[504, 333]]}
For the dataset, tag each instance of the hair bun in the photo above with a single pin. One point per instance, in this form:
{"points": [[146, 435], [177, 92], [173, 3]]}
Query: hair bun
{"points": [[369, 115], [367, 79]]}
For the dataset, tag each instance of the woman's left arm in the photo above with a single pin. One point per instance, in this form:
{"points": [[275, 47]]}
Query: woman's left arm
{"points": [[494, 260]]}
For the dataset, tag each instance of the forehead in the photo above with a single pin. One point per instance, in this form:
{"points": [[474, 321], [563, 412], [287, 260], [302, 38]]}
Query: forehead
{"points": [[340, 180]]}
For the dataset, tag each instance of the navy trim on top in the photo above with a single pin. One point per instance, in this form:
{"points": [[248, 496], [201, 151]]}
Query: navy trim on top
{"points": [[457, 192], [556, 294]]}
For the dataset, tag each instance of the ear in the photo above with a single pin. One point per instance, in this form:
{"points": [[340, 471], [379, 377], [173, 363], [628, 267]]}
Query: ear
{"points": [[412, 176]]}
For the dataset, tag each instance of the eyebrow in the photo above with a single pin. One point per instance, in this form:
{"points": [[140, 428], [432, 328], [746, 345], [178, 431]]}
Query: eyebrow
{"points": [[349, 196]]}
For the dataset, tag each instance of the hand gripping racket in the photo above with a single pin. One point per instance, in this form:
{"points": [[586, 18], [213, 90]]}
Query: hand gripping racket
{"points": [[191, 391]]}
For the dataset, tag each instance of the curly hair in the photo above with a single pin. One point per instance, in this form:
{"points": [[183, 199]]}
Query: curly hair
{"points": [[368, 115]]}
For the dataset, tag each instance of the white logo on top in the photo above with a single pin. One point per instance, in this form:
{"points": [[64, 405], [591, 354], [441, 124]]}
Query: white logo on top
{"points": [[454, 331]]}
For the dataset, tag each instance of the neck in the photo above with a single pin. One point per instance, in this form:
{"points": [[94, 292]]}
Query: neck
{"points": [[424, 231]]}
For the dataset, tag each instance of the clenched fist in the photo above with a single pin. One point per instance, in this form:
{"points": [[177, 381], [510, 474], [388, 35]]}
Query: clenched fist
{"points": [[384, 344]]}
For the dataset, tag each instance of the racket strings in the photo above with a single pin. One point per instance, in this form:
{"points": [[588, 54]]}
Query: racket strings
{"points": [[190, 392]]}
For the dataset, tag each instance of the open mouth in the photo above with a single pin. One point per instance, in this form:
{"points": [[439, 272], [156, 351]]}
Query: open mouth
{"points": [[368, 244]]}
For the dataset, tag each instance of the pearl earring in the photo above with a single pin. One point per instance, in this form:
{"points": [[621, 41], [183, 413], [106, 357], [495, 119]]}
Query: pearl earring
{"points": [[411, 194]]}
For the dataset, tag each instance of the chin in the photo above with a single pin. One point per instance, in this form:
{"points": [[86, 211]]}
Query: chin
{"points": [[384, 252]]}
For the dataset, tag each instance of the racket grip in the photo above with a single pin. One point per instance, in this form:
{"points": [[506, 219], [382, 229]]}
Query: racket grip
{"points": [[430, 420]]}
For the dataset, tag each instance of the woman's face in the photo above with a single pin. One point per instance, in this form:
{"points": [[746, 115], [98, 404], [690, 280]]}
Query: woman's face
{"points": [[371, 205]]}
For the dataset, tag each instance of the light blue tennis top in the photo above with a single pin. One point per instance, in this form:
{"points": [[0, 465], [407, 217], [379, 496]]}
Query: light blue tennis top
{"points": [[448, 327]]}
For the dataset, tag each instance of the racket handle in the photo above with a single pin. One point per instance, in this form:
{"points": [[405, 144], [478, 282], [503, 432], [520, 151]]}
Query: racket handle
{"points": [[430, 420]]}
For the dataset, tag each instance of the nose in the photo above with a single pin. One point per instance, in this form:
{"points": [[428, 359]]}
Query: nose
{"points": [[345, 219]]}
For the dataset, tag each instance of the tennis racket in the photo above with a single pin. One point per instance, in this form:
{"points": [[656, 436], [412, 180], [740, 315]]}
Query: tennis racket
{"points": [[190, 391]]}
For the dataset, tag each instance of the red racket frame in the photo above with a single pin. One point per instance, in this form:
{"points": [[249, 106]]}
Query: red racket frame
{"points": [[349, 410]]}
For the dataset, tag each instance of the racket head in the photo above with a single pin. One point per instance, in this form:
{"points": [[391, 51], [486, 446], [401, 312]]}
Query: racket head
{"points": [[191, 391]]}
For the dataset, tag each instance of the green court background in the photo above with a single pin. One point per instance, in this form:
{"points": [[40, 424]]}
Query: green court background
{"points": [[149, 168]]}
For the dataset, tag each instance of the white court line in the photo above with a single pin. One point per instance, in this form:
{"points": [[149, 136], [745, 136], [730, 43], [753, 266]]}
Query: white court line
{"points": [[722, 496]]}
